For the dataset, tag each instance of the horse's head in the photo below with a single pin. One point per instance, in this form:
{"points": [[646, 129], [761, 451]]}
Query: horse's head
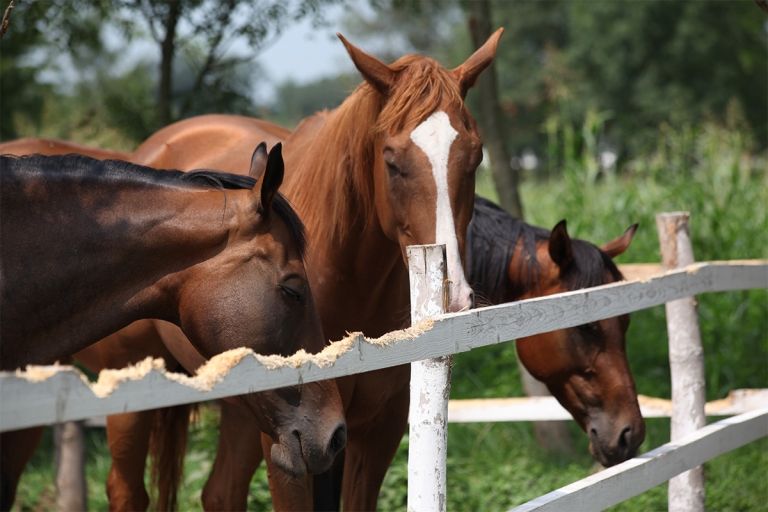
{"points": [[426, 151], [254, 293], [585, 367]]}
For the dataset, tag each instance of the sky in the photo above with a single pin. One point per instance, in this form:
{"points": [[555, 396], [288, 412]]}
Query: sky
{"points": [[304, 53]]}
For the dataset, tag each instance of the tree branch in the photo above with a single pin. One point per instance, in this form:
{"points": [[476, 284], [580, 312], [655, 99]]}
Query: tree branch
{"points": [[222, 24], [6, 18]]}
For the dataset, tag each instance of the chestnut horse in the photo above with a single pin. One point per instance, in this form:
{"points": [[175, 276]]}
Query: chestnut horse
{"points": [[584, 367], [392, 166], [141, 243]]}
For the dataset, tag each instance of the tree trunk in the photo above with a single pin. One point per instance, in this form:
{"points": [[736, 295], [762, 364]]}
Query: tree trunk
{"points": [[551, 435], [168, 52], [490, 119]]}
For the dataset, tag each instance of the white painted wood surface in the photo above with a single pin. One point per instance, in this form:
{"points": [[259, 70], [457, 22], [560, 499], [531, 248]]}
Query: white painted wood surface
{"points": [[630, 478], [686, 361], [65, 396], [430, 387], [488, 410], [71, 484]]}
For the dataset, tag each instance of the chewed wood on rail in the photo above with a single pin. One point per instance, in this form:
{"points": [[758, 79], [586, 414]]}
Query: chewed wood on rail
{"points": [[64, 395]]}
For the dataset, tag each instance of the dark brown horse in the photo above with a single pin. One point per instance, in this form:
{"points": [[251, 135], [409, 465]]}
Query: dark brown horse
{"points": [[392, 166], [88, 246], [584, 367]]}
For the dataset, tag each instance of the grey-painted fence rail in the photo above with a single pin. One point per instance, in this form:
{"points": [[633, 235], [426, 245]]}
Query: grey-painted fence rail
{"points": [[66, 396]]}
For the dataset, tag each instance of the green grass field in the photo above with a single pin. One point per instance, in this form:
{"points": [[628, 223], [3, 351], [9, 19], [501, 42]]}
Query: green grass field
{"points": [[495, 466]]}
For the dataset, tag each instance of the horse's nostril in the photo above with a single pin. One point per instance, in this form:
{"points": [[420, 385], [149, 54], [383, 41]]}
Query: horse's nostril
{"points": [[471, 299], [338, 440], [624, 437]]}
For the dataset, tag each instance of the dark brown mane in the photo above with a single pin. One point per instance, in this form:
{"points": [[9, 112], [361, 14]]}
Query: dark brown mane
{"points": [[492, 238], [344, 143]]}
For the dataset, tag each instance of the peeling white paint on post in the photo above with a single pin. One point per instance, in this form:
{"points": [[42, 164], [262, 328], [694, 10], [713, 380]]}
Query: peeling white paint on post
{"points": [[430, 387], [686, 361]]}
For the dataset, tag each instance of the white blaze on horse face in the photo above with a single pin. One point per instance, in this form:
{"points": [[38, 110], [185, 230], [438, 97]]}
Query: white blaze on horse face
{"points": [[434, 136]]}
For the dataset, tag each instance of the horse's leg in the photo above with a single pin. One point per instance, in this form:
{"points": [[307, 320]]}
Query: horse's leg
{"points": [[237, 458], [128, 440], [371, 446], [16, 448], [288, 493], [327, 486]]}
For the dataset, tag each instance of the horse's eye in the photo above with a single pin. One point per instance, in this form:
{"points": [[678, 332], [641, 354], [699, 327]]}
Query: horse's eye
{"points": [[292, 293], [393, 169]]}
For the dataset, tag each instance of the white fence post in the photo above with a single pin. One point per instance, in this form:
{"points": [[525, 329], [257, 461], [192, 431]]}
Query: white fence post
{"points": [[430, 387], [686, 361], [71, 489]]}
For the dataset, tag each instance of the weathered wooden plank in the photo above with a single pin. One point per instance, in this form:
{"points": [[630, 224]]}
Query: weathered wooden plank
{"points": [[484, 410], [65, 396], [630, 478]]}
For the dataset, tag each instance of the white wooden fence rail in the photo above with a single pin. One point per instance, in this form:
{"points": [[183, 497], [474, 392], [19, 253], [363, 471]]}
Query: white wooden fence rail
{"points": [[630, 478], [64, 395], [547, 408]]}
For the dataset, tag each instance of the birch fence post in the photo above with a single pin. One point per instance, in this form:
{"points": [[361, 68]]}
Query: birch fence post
{"points": [[686, 361], [430, 387], [71, 490]]}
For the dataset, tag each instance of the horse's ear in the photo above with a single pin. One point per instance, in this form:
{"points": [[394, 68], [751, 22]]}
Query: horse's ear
{"points": [[375, 72], [620, 244], [271, 180], [468, 72], [258, 161], [560, 246]]}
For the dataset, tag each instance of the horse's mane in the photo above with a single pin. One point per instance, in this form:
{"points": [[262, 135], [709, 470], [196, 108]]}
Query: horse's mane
{"points": [[80, 167], [337, 163], [492, 237]]}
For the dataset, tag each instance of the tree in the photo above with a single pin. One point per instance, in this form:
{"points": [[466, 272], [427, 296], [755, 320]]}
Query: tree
{"points": [[491, 120], [677, 62], [209, 45]]}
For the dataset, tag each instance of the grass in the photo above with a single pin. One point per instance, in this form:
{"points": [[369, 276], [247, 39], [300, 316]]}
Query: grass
{"points": [[494, 466]]}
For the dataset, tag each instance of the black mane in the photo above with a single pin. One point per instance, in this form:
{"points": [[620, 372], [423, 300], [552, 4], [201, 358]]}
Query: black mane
{"points": [[492, 237], [82, 167]]}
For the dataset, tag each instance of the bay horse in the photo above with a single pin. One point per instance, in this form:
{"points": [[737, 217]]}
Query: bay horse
{"points": [[393, 165], [584, 367], [220, 255]]}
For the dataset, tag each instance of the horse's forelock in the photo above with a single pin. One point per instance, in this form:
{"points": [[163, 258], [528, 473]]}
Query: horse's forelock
{"points": [[422, 86]]}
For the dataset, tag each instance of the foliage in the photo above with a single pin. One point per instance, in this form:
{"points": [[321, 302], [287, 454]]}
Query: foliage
{"points": [[296, 101], [196, 70]]}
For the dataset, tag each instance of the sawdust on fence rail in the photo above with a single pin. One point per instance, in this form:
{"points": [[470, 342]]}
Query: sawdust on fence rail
{"points": [[219, 366]]}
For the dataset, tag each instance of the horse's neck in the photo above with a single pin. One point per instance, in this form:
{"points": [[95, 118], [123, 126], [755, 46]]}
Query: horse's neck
{"points": [[360, 282], [357, 273], [94, 273]]}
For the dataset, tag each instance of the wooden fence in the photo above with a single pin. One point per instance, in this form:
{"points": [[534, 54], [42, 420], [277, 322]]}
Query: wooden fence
{"points": [[52, 394], [46, 395]]}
